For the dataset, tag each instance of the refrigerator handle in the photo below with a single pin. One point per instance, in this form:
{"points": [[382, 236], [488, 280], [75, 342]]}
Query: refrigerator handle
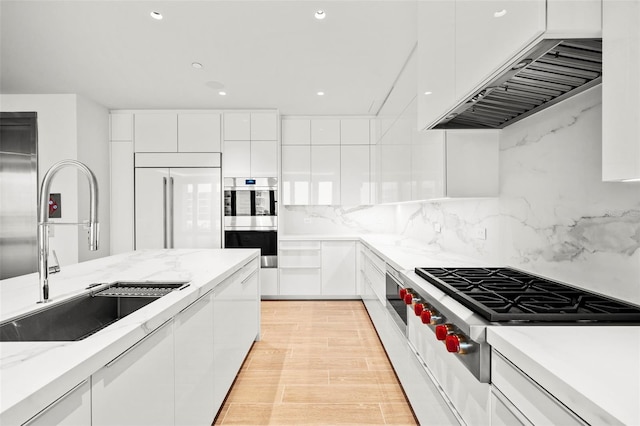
{"points": [[170, 221], [164, 211]]}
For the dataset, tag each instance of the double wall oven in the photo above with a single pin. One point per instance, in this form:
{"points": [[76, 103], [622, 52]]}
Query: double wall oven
{"points": [[250, 216]]}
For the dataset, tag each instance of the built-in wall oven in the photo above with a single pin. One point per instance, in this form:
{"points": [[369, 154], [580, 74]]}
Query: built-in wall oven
{"points": [[250, 216]]}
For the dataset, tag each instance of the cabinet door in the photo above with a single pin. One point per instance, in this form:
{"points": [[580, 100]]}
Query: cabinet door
{"points": [[236, 161], [151, 212], [489, 34], [269, 281], [472, 163], [436, 78], [199, 132], [121, 126], [264, 126], [621, 91], [249, 306], [193, 337], [300, 282], [395, 173], [156, 132], [296, 131], [296, 175], [428, 165], [72, 409], [264, 158], [237, 126], [339, 268], [137, 387], [325, 175], [354, 131], [325, 131], [122, 197], [355, 177], [504, 413]]}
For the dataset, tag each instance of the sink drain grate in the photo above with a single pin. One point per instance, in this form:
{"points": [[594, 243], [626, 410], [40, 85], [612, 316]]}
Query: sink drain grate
{"points": [[135, 292]]}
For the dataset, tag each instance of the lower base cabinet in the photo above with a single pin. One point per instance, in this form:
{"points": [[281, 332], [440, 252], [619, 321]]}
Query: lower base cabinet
{"points": [[72, 409], [137, 387]]}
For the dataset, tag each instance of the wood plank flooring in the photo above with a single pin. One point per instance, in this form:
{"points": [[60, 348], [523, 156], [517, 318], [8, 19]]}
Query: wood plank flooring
{"points": [[319, 362]]}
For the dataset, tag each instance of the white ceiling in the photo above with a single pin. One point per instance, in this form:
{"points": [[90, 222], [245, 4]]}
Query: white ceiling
{"points": [[267, 54]]}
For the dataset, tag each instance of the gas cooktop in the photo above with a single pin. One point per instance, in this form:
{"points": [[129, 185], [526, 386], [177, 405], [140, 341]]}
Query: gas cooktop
{"points": [[504, 294]]}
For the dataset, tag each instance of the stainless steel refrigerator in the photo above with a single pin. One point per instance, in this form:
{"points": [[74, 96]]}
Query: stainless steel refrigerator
{"points": [[18, 194], [178, 207]]}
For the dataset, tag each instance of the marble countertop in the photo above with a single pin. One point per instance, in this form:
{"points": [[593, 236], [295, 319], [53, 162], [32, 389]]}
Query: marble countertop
{"points": [[595, 371], [33, 374]]}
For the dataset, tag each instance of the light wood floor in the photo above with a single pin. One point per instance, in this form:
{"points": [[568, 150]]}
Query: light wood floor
{"points": [[319, 362]]}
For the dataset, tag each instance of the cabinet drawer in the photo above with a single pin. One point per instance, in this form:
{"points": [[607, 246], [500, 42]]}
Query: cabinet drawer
{"points": [[300, 254], [300, 282], [533, 401]]}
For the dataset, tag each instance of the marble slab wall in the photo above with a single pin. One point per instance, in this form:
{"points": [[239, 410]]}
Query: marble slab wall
{"points": [[558, 218], [337, 220]]}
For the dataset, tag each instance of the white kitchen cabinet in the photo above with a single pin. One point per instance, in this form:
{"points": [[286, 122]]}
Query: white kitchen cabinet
{"points": [[122, 197], [269, 281], [296, 175], [325, 131], [237, 126], [325, 175], [374, 273], [236, 158], [300, 282], [156, 132], [489, 33], [264, 159], [354, 131], [71, 409], [395, 173], [299, 264], [504, 413], [194, 379], [621, 90], [121, 127], [536, 404], [428, 159], [264, 126], [296, 131], [137, 387], [338, 268], [355, 175], [199, 132], [436, 60]]}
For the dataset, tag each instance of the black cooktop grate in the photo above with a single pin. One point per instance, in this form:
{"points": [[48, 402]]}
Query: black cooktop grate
{"points": [[503, 294]]}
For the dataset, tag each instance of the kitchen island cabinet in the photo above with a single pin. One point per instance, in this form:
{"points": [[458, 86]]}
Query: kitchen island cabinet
{"points": [[71, 409], [145, 368]]}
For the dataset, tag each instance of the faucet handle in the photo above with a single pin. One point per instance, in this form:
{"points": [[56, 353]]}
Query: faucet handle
{"points": [[56, 267]]}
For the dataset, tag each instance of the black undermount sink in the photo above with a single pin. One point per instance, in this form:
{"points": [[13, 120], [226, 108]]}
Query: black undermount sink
{"points": [[80, 317]]}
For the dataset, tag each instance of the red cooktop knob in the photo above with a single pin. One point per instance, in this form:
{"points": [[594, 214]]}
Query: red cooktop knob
{"points": [[403, 292], [408, 298], [425, 316], [418, 308], [453, 343], [442, 331]]}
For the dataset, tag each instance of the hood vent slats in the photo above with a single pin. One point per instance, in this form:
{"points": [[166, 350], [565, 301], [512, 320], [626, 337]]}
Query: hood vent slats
{"points": [[555, 70]]}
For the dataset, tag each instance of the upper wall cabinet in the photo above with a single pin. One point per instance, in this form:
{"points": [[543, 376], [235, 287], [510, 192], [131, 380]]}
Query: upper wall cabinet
{"points": [[325, 131], [621, 91], [250, 144], [488, 33], [296, 131], [176, 132]]}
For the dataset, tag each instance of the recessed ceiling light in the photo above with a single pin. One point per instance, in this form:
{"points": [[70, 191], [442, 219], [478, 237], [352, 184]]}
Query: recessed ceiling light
{"points": [[320, 93], [196, 65], [320, 14], [222, 93], [500, 13], [428, 93], [156, 15]]}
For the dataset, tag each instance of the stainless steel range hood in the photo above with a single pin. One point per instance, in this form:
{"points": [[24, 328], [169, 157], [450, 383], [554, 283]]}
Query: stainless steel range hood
{"points": [[552, 71]]}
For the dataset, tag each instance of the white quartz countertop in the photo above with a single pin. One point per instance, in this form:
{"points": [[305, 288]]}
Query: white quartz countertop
{"points": [[32, 373], [595, 371]]}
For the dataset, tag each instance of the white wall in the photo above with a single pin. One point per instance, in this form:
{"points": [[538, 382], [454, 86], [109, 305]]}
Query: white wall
{"points": [[59, 118]]}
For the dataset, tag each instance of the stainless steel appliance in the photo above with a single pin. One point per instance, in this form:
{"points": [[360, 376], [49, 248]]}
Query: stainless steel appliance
{"points": [[459, 303], [395, 291], [250, 216], [178, 207], [18, 194]]}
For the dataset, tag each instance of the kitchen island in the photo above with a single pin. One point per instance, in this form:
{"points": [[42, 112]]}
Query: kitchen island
{"points": [[153, 366]]}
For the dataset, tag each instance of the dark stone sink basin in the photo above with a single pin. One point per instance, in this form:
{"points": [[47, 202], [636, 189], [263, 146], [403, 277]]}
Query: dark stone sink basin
{"points": [[80, 317]]}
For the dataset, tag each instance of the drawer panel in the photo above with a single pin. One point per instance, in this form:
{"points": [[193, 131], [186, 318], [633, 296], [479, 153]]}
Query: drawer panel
{"points": [[300, 282]]}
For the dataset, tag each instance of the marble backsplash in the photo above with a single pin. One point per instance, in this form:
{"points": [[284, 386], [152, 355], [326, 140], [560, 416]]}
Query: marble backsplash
{"points": [[554, 217]]}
